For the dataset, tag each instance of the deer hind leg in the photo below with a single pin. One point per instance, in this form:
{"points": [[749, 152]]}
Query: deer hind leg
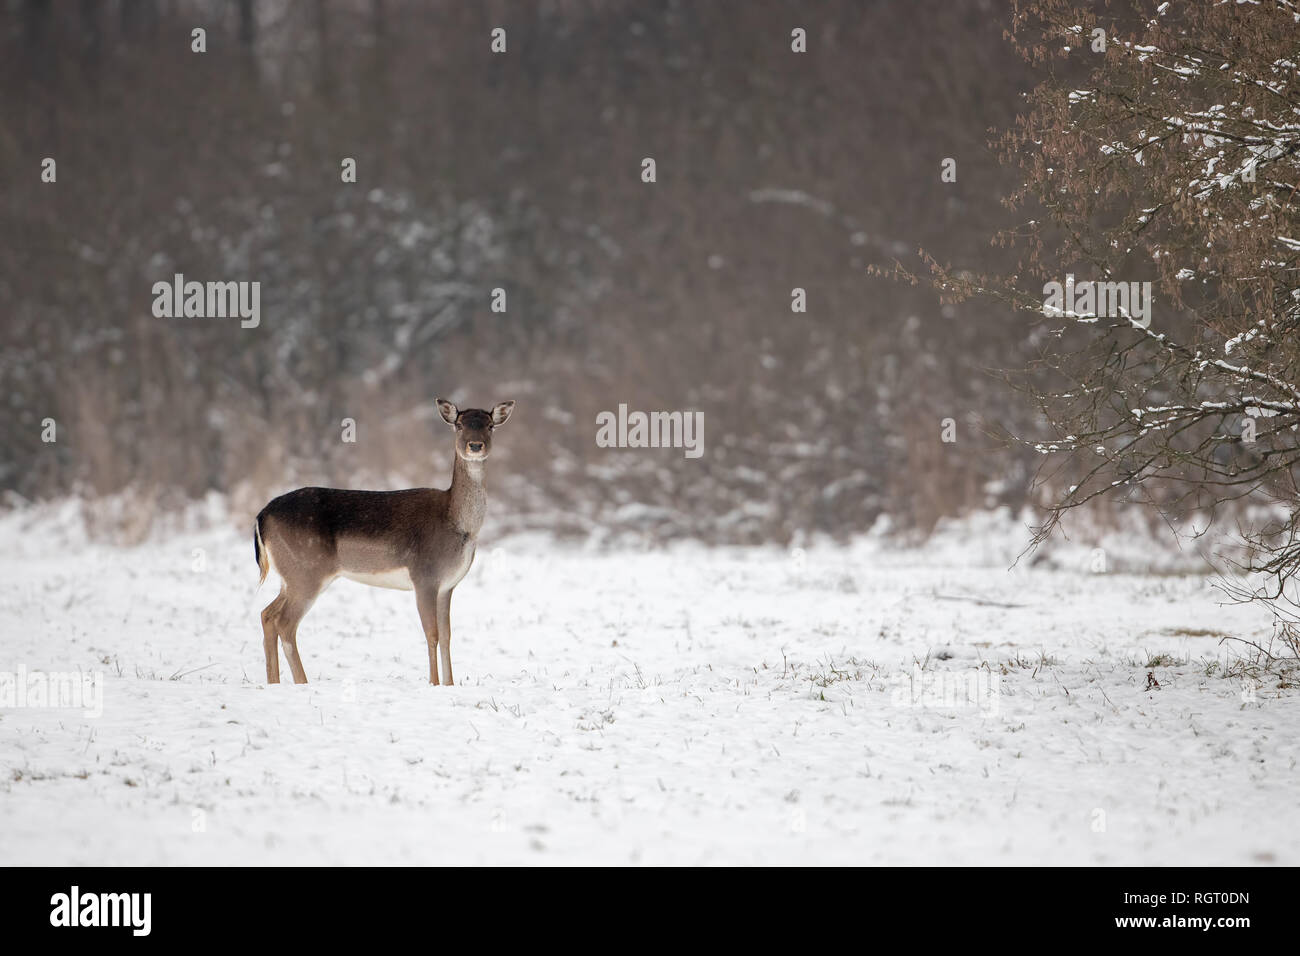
{"points": [[426, 601], [444, 633], [270, 637], [290, 616]]}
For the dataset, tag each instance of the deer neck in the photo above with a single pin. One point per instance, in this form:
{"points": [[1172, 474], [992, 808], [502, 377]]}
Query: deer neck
{"points": [[467, 497]]}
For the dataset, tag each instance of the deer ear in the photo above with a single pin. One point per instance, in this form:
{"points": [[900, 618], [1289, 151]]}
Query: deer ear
{"points": [[447, 410], [502, 412]]}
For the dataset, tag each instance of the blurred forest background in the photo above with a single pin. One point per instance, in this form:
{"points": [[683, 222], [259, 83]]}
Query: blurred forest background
{"points": [[522, 171]]}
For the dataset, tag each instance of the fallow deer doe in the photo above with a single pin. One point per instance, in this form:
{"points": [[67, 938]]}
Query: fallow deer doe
{"points": [[420, 539]]}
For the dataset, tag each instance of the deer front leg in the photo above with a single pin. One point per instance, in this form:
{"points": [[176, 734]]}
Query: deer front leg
{"points": [[426, 600], [444, 632]]}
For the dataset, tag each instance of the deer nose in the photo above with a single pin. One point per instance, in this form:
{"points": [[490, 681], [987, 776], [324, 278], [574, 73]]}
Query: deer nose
{"points": [[476, 446]]}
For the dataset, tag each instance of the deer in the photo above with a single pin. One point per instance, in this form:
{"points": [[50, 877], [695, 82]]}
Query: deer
{"points": [[417, 539]]}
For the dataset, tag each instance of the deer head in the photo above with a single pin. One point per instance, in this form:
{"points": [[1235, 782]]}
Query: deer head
{"points": [[474, 427]]}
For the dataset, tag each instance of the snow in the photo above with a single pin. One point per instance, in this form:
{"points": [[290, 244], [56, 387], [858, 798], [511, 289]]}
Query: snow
{"points": [[839, 704]]}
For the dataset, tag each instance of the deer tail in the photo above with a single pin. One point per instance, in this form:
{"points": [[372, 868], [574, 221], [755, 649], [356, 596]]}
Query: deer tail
{"points": [[259, 550]]}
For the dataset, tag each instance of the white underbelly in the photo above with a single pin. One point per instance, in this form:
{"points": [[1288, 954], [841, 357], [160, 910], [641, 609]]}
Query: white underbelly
{"points": [[399, 579]]}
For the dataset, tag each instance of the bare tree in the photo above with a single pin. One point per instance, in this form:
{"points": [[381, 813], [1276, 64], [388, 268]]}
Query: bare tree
{"points": [[1163, 147]]}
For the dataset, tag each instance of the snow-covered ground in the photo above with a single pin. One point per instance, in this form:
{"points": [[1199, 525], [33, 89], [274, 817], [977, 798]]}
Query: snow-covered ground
{"points": [[831, 706]]}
